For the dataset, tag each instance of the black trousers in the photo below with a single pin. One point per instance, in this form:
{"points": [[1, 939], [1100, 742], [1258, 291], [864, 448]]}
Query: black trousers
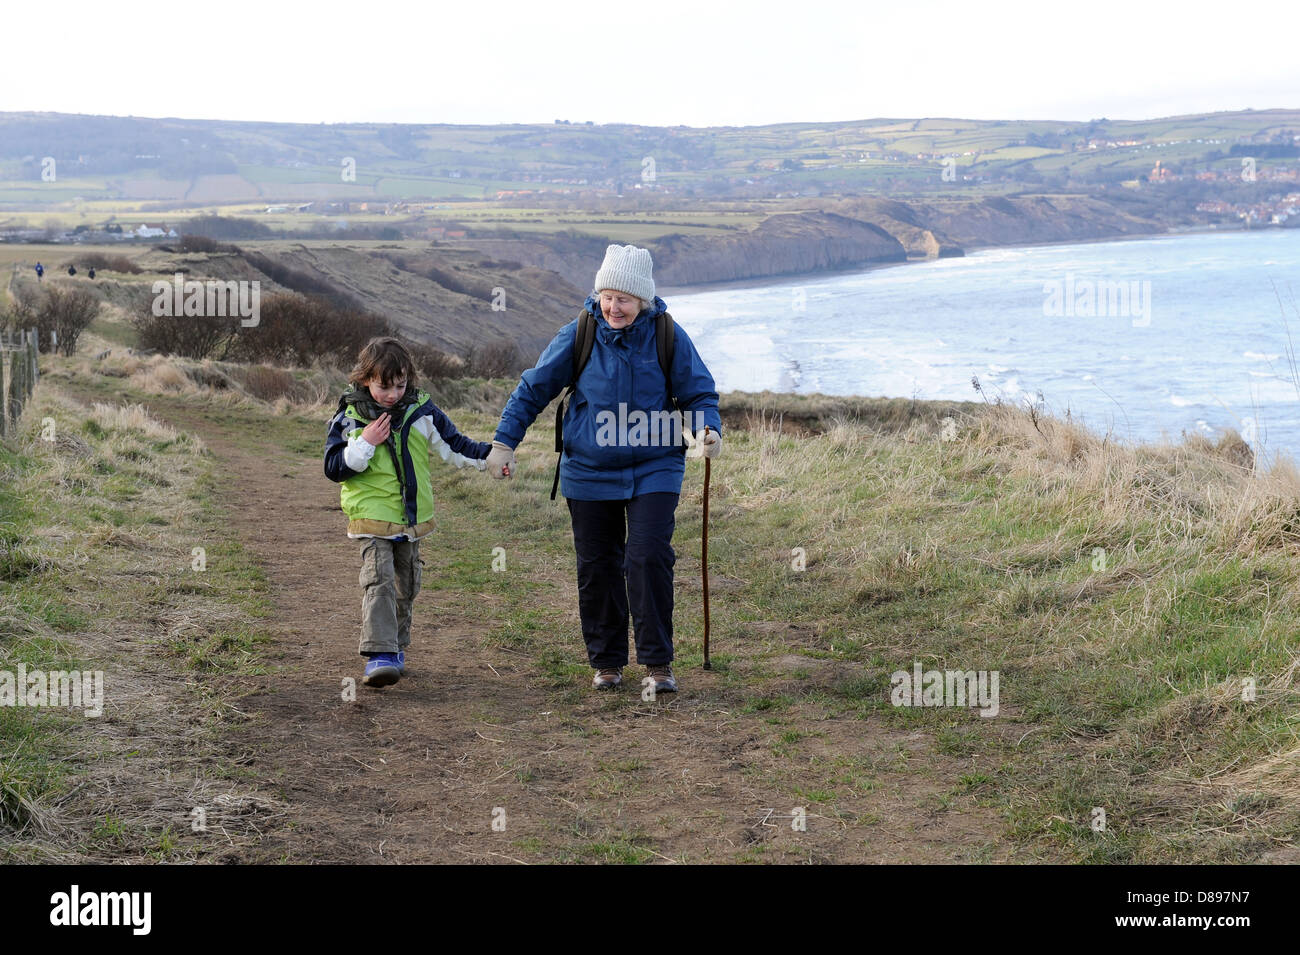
{"points": [[625, 563]]}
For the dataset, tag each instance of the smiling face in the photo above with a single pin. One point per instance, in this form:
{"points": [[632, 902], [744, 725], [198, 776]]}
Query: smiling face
{"points": [[619, 308], [387, 397]]}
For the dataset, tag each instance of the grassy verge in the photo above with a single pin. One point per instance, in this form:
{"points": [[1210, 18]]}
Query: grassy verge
{"points": [[112, 560]]}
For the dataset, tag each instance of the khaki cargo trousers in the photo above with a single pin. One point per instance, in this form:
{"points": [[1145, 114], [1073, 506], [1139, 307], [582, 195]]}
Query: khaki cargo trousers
{"points": [[390, 579]]}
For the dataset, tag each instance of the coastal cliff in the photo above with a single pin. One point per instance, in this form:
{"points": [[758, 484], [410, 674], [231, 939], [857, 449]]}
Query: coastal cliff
{"points": [[841, 234], [788, 244]]}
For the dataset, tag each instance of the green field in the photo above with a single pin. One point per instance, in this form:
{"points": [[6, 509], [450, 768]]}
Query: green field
{"points": [[273, 163]]}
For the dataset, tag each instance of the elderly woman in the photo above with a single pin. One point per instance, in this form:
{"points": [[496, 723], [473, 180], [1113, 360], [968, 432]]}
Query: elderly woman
{"points": [[621, 474]]}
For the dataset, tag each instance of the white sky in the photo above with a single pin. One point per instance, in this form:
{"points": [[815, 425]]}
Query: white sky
{"points": [[700, 63]]}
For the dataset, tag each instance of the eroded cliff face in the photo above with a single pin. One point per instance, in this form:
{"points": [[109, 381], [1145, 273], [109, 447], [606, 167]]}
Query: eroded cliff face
{"points": [[786, 244], [574, 258], [948, 227], [920, 238], [1029, 219], [783, 244], [827, 234]]}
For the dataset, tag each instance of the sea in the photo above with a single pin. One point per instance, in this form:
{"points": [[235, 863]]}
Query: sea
{"points": [[1144, 338]]}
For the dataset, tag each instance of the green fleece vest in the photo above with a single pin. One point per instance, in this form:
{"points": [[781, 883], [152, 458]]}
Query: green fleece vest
{"points": [[373, 499]]}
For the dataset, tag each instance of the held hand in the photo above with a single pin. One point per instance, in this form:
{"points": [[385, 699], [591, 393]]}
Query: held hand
{"points": [[501, 460], [376, 433]]}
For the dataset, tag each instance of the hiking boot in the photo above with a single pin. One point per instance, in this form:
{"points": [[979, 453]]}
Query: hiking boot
{"points": [[382, 669], [665, 682], [607, 678]]}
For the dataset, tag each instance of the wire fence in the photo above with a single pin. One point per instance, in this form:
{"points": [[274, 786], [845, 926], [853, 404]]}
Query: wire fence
{"points": [[18, 373]]}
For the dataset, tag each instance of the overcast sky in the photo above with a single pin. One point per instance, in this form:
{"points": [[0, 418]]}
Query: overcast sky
{"points": [[699, 63]]}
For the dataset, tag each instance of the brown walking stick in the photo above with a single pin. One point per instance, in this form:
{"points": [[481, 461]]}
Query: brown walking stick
{"points": [[704, 556]]}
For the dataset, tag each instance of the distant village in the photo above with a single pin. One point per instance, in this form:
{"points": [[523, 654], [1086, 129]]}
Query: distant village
{"points": [[1275, 209], [111, 232]]}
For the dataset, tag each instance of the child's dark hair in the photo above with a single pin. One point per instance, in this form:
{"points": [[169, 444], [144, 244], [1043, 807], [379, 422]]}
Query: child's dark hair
{"points": [[385, 359]]}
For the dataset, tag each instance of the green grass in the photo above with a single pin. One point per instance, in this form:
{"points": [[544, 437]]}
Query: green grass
{"points": [[83, 551], [616, 850]]}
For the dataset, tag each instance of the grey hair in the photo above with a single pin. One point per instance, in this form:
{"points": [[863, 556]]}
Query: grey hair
{"points": [[641, 307]]}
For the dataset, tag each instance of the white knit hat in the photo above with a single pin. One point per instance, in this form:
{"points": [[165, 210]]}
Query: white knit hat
{"points": [[627, 269]]}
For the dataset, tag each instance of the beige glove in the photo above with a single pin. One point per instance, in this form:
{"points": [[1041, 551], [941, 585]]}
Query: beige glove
{"points": [[501, 460], [712, 443]]}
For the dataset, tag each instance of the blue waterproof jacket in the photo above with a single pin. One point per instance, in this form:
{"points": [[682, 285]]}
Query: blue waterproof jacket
{"points": [[623, 370]]}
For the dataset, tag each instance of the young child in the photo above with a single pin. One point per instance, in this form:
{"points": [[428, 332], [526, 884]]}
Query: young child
{"points": [[390, 507]]}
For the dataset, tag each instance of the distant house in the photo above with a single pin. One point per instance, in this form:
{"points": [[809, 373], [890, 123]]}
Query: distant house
{"points": [[154, 231], [273, 210], [1161, 174]]}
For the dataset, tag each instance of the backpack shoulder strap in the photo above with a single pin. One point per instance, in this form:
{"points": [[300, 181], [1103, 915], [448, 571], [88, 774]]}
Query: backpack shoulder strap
{"points": [[584, 338], [666, 341]]}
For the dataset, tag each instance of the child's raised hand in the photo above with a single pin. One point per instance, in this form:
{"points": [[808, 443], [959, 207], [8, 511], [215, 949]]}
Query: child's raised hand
{"points": [[376, 432]]}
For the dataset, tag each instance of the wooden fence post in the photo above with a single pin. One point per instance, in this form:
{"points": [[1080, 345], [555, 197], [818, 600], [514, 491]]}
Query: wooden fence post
{"points": [[4, 392], [19, 370]]}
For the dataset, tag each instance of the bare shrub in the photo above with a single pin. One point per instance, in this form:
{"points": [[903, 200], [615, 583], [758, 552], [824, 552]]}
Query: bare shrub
{"points": [[65, 312], [500, 359], [203, 243], [21, 313], [434, 364], [191, 336], [108, 263], [225, 227], [301, 330]]}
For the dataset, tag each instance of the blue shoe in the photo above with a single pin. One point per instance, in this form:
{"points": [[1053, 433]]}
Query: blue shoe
{"points": [[401, 662], [382, 669]]}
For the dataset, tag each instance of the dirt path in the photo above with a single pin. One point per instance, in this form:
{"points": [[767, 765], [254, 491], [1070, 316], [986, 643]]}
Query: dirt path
{"points": [[414, 773]]}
